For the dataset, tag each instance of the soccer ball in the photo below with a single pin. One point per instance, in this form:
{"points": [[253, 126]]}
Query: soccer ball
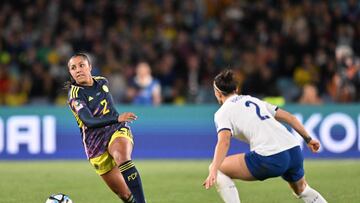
{"points": [[58, 198]]}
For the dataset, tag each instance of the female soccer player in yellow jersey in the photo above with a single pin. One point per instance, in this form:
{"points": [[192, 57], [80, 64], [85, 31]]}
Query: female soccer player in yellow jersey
{"points": [[106, 136], [274, 151]]}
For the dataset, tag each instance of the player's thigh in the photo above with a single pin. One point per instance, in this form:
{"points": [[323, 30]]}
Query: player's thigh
{"points": [[298, 186], [121, 145], [116, 182], [235, 166], [120, 149]]}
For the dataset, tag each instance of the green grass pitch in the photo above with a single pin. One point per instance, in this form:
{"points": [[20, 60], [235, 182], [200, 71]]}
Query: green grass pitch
{"points": [[167, 181]]}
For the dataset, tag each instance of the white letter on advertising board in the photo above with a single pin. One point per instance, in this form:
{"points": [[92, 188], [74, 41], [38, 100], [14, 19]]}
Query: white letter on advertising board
{"points": [[338, 146], [23, 130], [49, 138]]}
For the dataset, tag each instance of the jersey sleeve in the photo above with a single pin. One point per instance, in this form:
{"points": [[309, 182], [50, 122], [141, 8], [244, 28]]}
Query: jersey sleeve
{"points": [[81, 111], [98, 78], [271, 108], [222, 122], [76, 100]]}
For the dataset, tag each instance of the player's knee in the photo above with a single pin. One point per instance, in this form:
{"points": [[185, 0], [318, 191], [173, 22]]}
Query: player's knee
{"points": [[300, 187], [120, 158]]}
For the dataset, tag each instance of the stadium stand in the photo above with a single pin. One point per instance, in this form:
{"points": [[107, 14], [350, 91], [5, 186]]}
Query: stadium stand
{"points": [[277, 48]]}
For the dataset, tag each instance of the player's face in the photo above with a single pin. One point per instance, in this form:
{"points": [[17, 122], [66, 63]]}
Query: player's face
{"points": [[80, 70]]}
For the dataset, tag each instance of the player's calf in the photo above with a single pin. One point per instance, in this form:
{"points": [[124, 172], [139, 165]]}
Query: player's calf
{"points": [[133, 180], [226, 188], [309, 195]]}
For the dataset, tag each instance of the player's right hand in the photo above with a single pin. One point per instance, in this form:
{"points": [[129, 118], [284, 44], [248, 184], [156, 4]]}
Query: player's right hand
{"points": [[127, 117], [314, 145], [210, 180]]}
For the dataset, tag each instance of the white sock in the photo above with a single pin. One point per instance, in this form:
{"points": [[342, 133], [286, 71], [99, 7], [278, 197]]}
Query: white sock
{"points": [[310, 195], [226, 188]]}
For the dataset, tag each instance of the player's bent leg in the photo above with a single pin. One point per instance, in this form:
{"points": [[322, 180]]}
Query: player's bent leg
{"points": [[235, 167], [120, 148], [232, 167], [117, 184], [298, 186], [303, 191], [226, 188], [133, 180]]}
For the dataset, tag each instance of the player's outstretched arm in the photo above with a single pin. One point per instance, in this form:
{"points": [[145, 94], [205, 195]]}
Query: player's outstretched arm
{"points": [[284, 116], [220, 153], [95, 122]]}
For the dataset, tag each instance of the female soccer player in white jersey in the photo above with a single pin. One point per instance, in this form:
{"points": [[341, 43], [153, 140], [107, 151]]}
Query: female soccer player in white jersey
{"points": [[273, 150]]}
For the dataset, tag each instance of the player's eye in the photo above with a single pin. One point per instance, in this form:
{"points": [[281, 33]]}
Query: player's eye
{"points": [[82, 65], [72, 68]]}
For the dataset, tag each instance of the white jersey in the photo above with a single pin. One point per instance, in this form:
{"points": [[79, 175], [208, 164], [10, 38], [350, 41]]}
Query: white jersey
{"points": [[252, 120]]}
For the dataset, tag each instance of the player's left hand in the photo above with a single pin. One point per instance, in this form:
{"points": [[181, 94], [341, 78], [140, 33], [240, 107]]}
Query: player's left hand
{"points": [[314, 145], [210, 180], [127, 117]]}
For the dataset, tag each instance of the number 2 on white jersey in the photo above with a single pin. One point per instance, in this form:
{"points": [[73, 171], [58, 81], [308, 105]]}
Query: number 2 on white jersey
{"points": [[257, 108]]}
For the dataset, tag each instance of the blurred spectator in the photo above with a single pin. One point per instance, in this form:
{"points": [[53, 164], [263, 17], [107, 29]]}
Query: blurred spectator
{"points": [[193, 78], [113, 71], [347, 77], [166, 74], [5, 82], [144, 89], [307, 73], [310, 95], [18, 92], [41, 86]]}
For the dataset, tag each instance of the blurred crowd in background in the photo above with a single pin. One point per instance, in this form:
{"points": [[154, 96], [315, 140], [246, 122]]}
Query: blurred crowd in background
{"points": [[168, 51]]}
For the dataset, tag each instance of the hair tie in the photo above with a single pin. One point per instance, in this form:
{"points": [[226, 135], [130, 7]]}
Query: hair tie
{"points": [[218, 89]]}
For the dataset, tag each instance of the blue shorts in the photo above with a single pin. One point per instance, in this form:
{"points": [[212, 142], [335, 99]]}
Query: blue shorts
{"points": [[288, 164]]}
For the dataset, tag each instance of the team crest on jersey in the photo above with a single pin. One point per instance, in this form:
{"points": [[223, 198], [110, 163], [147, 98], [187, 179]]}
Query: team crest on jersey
{"points": [[105, 88], [77, 105]]}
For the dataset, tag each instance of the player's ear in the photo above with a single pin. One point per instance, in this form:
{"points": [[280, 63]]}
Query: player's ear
{"points": [[218, 93], [221, 95], [237, 91]]}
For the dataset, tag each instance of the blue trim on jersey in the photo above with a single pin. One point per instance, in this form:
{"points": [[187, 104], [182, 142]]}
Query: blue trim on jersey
{"points": [[224, 129], [288, 164]]}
